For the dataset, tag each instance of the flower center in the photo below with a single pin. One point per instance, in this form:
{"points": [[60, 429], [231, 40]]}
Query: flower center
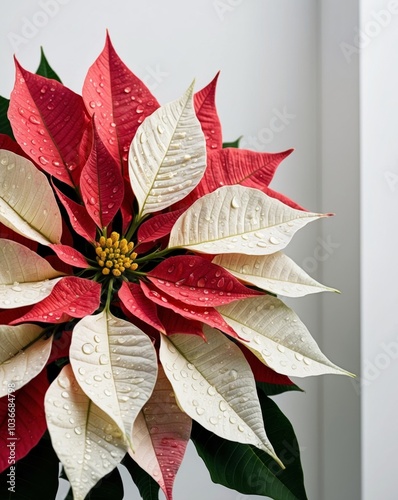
{"points": [[115, 255]]}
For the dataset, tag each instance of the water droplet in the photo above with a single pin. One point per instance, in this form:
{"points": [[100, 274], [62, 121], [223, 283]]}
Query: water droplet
{"points": [[103, 359], [97, 338], [65, 394], [307, 361], [235, 202], [213, 420], [127, 90], [139, 109], [200, 411], [34, 119], [82, 371], [107, 392], [274, 240], [211, 391], [298, 356], [92, 104], [107, 375], [241, 428], [43, 160], [88, 348]]}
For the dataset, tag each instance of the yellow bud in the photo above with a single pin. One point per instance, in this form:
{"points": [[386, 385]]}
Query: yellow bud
{"points": [[101, 263], [105, 270], [109, 242], [133, 267], [102, 241], [98, 251], [109, 263], [116, 272], [115, 236]]}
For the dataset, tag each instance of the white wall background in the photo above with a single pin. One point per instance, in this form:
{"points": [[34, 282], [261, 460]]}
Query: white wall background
{"points": [[275, 56]]}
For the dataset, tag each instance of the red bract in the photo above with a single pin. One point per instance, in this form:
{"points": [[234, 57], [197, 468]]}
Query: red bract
{"points": [[26, 409], [49, 122], [197, 282], [119, 100], [205, 107]]}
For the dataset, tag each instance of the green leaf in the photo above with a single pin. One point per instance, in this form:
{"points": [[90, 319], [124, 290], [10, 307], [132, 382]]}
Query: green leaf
{"points": [[250, 470], [36, 475], [148, 488], [45, 69], [5, 126], [233, 144], [275, 389], [110, 486]]}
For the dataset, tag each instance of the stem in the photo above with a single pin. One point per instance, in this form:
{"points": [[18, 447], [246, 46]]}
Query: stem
{"points": [[154, 255], [109, 296], [133, 227]]}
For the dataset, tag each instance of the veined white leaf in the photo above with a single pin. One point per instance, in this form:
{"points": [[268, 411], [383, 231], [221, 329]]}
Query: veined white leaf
{"points": [[86, 440], [115, 364], [276, 273], [27, 202], [25, 277], [238, 219], [215, 386], [275, 334], [160, 435], [167, 156], [23, 355]]}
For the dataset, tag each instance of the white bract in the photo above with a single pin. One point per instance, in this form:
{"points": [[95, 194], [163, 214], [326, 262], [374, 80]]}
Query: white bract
{"points": [[277, 337], [27, 202], [116, 366], [222, 392], [86, 439], [238, 219], [25, 277], [23, 355], [167, 156], [275, 273]]}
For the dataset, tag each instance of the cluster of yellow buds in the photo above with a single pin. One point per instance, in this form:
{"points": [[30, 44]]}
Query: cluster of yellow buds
{"points": [[115, 255]]}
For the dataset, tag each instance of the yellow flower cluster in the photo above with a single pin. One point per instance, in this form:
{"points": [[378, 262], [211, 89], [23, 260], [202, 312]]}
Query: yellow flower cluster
{"points": [[115, 255]]}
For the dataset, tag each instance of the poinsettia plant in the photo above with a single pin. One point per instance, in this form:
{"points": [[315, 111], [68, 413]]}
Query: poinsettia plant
{"points": [[140, 267]]}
